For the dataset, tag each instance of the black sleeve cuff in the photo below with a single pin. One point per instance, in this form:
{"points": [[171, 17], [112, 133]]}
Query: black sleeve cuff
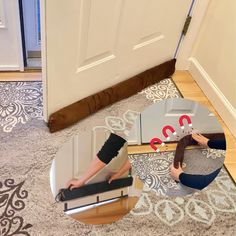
{"points": [[198, 181], [111, 148], [216, 144]]}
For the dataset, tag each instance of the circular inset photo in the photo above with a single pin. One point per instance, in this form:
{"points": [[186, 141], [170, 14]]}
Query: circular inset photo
{"points": [[91, 178], [176, 147]]}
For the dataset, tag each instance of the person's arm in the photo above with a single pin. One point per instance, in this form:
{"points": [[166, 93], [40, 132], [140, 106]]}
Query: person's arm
{"points": [[109, 150], [215, 141], [121, 171], [198, 181], [217, 144], [95, 166], [175, 172], [196, 139]]}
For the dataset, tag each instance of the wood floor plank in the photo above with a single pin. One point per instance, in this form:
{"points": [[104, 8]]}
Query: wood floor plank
{"points": [[107, 213], [231, 167], [21, 76]]}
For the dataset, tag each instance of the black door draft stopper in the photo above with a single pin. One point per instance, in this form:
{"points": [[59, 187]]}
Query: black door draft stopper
{"points": [[90, 189]]}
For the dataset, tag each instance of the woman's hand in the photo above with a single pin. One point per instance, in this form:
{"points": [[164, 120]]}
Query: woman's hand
{"points": [[74, 183], [200, 139], [175, 172], [124, 168], [114, 176]]}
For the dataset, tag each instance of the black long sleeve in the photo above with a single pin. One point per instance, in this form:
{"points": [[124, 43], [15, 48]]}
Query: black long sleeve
{"points": [[202, 181], [111, 148], [198, 181], [217, 144]]}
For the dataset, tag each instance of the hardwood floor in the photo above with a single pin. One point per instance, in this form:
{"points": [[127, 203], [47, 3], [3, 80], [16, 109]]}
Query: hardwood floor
{"points": [[21, 76], [134, 149], [107, 213], [111, 212]]}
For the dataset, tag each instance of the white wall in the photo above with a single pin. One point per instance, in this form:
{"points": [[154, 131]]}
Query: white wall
{"points": [[213, 60], [10, 36]]}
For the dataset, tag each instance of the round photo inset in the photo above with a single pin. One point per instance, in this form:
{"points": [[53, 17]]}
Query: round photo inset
{"points": [[91, 178], [176, 147]]}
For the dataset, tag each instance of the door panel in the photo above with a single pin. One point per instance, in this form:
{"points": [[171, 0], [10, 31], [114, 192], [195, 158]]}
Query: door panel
{"points": [[2, 14], [11, 58], [157, 26], [135, 132], [95, 48], [82, 154], [92, 45]]}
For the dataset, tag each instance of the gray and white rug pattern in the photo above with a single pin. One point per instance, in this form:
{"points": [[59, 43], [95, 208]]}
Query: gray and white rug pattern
{"points": [[12, 201], [26, 155], [153, 168], [19, 103], [164, 89]]}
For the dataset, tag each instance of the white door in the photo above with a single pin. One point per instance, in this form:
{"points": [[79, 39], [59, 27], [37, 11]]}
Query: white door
{"points": [[11, 57], [31, 12], [93, 44], [168, 112]]}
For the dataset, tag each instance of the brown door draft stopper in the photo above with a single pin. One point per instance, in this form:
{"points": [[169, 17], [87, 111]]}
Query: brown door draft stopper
{"points": [[77, 111], [188, 141]]}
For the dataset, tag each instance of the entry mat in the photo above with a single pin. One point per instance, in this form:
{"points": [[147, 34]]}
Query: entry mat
{"points": [[27, 206]]}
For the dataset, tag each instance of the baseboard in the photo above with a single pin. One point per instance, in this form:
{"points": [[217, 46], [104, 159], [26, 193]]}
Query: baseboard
{"points": [[214, 94], [10, 68]]}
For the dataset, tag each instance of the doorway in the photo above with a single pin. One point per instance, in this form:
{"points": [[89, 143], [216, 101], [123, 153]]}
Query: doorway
{"points": [[31, 33]]}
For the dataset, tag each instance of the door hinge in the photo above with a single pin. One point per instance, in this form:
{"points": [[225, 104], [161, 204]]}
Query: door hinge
{"points": [[186, 25]]}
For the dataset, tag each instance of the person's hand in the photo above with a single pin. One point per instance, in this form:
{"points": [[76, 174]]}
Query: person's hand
{"points": [[175, 172], [74, 183], [113, 177], [200, 139]]}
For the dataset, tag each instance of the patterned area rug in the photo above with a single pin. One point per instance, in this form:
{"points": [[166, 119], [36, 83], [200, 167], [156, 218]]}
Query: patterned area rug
{"points": [[20, 102], [153, 168], [27, 150]]}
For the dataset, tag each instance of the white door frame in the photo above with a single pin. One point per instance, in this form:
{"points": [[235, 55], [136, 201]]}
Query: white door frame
{"points": [[187, 44], [198, 13], [44, 57]]}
